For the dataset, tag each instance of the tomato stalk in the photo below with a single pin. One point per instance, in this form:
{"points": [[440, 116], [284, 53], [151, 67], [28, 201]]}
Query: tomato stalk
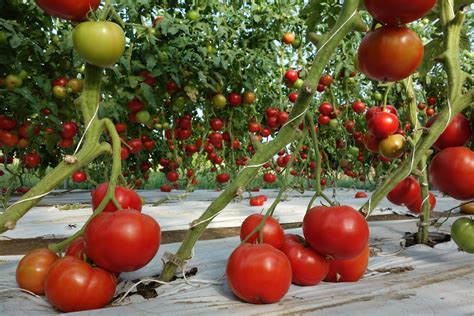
{"points": [[422, 237], [348, 20], [457, 101]]}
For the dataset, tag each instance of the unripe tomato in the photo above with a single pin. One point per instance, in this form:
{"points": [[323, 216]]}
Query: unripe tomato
{"points": [[33, 269]]}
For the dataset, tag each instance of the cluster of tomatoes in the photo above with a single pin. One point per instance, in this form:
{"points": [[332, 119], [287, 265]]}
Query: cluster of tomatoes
{"points": [[334, 249], [114, 241], [392, 52], [62, 86]]}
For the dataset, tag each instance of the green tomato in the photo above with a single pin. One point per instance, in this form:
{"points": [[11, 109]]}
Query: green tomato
{"points": [[462, 232], [178, 102], [334, 123], [13, 81], [158, 126], [298, 83], [353, 151], [143, 116], [192, 15], [377, 96], [169, 155], [219, 101], [166, 125], [23, 74], [296, 43], [60, 92], [100, 43]]}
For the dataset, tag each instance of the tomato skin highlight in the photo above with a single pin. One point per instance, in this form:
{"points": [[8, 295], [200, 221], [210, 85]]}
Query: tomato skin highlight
{"points": [[73, 285], [33, 269], [390, 53], [258, 273], [338, 231]]}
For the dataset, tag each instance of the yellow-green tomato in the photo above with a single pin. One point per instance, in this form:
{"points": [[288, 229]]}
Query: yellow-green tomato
{"points": [[99, 43], [219, 101], [392, 146]]}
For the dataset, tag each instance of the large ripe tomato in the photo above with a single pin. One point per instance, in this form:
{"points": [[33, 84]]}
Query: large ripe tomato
{"points": [[417, 206], [383, 124], [397, 12], [100, 43], [73, 285], [307, 266], [272, 233], [406, 192], [338, 231], [350, 270], [258, 273], [390, 53], [122, 241], [462, 232], [33, 268], [126, 197], [75, 10], [452, 172], [458, 132]]}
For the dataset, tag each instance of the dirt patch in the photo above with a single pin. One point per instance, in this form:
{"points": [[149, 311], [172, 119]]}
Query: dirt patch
{"points": [[434, 238]]}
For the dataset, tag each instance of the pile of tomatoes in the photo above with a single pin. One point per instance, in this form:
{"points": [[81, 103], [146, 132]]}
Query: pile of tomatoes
{"points": [[114, 241], [334, 249]]}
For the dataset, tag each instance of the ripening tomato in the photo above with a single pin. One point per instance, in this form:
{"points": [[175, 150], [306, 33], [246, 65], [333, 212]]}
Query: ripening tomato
{"points": [[390, 53], [258, 273], [128, 199], [272, 233], [100, 43], [452, 171], [467, 208], [122, 241], [458, 132], [219, 101], [392, 147], [307, 266], [288, 38], [339, 231], [326, 80], [73, 285], [398, 12], [249, 97], [70, 10], [349, 270], [33, 268], [406, 192]]}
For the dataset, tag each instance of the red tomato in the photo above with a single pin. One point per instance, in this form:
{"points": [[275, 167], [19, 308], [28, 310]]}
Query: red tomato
{"points": [[222, 177], [136, 145], [269, 177], [121, 127], [66, 143], [360, 195], [349, 270], [325, 108], [31, 160], [358, 107], [79, 176], [307, 266], [257, 201], [172, 176], [406, 192], [293, 97], [127, 198], [324, 120], [165, 188], [458, 132], [77, 248], [383, 124], [7, 124], [376, 109], [70, 10], [33, 268], [8, 138], [69, 130], [371, 143], [234, 99], [416, 207], [272, 233], [122, 241], [135, 105], [339, 231], [216, 124], [73, 285], [452, 171], [258, 273], [253, 127], [291, 75], [390, 53], [326, 80], [397, 12]]}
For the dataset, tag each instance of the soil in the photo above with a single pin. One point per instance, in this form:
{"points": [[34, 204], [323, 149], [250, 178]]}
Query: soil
{"points": [[22, 246]]}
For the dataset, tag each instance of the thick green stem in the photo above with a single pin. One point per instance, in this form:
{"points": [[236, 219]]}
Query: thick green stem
{"points": [[347, 21], [90, 151]]}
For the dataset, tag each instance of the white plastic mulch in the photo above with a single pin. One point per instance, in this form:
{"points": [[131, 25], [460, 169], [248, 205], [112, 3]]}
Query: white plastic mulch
{"points": [[435, 281]]}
